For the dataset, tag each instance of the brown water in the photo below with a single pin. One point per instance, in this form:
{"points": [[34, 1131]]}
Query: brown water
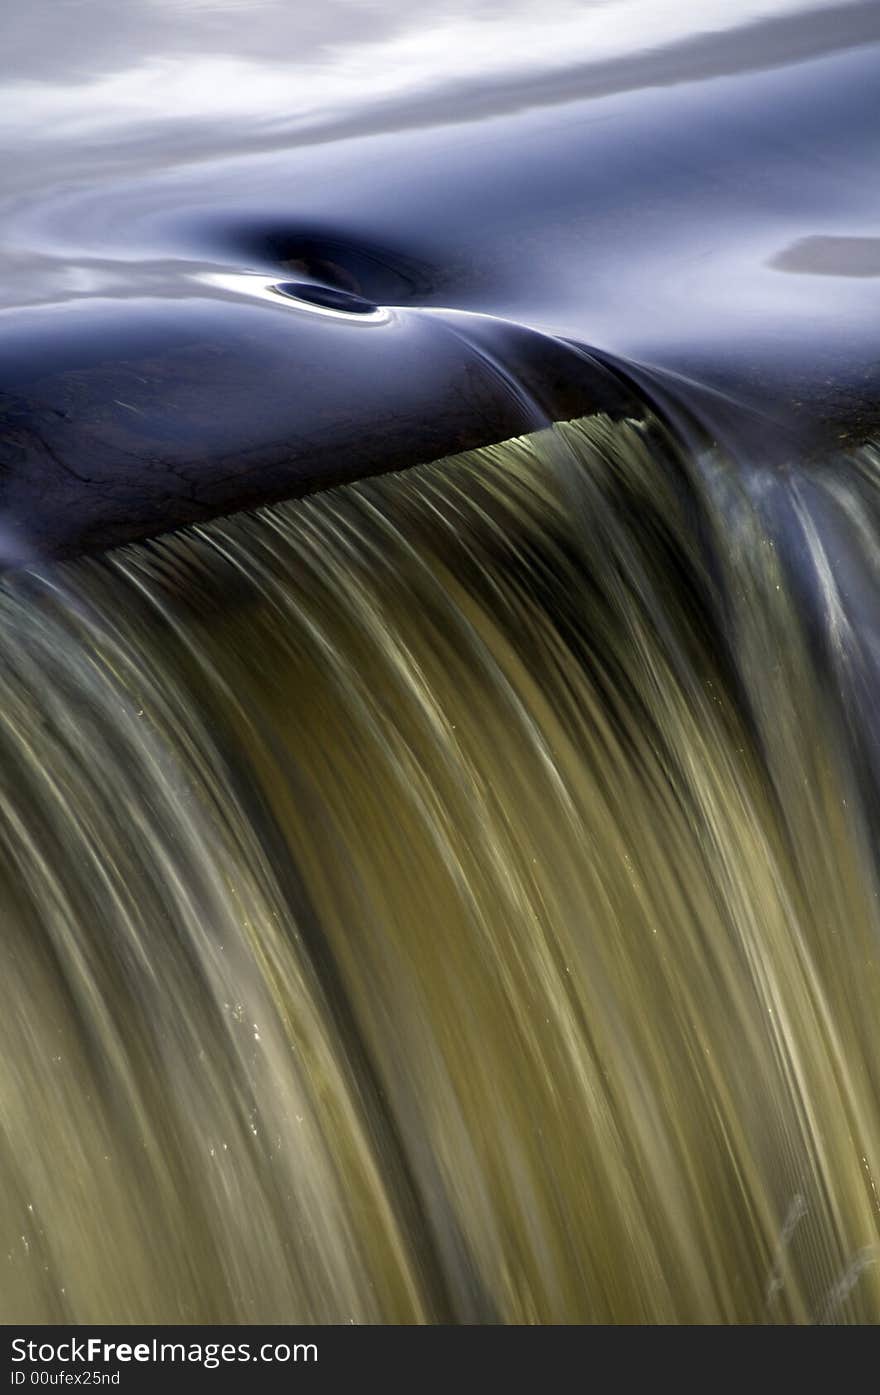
{"points": [[450, 897]]}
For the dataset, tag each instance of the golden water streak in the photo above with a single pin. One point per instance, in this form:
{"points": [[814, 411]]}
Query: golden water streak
{"points": [[450, 897]]}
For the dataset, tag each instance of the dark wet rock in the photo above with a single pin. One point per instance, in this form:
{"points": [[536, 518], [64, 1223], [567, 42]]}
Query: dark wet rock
{"points": [[326, 297], [125, 422]]}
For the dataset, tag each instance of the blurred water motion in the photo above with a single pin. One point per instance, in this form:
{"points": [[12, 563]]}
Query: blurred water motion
{"points": [[453, 896]]}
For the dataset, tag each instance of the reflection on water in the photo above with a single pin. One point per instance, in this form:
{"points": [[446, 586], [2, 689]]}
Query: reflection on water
{"points": [[832, 256], [453, 895], [623, 173], [159, 65]]}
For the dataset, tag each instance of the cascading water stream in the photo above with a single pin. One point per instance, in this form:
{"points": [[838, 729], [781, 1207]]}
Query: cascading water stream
{"points": [[439, 657], [451, 896]]}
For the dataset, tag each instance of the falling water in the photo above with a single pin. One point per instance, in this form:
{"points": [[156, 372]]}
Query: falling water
{"points": [[453, 896]]}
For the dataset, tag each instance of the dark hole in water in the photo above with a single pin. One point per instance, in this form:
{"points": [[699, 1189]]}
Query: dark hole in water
{"points": [[328, 296]]}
